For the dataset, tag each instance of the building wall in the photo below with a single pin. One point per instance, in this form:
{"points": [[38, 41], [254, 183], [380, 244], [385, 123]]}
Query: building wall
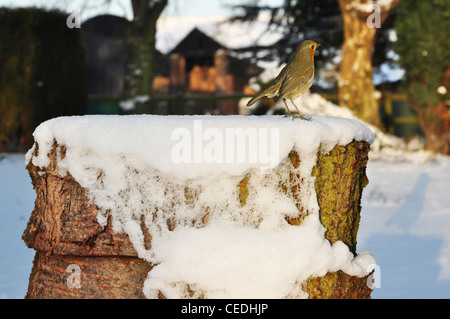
{"points": [[202, 79]]}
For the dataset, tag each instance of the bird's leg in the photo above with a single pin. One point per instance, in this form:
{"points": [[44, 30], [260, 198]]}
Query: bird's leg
{"points": [[290, 114], [300, 114]]}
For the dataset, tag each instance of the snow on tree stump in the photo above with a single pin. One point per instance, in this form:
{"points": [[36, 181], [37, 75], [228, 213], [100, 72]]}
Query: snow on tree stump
{"points": [[111, 221]]}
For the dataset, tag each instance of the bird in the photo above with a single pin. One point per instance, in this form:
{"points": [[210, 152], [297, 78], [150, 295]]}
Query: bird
{"points": [[295, 78]]}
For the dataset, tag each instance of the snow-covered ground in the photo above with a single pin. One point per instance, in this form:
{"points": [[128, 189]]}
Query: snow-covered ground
{"points": [[405, 224], [16, 203]]}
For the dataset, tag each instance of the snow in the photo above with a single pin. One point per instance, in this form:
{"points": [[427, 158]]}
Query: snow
{"points": [[405, 223], [254, 263], [130, 104], [182, 141], [413, 256], [137, 167], [16, 204], [405, 218]]}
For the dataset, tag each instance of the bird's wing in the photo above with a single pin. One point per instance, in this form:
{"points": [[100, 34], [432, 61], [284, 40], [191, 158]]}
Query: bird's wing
{"points": [[269, 92], [294, 81]]}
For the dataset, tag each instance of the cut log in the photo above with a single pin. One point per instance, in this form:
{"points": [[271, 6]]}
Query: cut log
{"points": [[65, 232]]}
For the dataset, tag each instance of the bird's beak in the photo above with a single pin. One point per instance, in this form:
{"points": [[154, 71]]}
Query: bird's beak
{"points": [[318, 45]]}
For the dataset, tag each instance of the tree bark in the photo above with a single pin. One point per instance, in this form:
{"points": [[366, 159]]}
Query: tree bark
{"points": [[65, 234], [340, 179], [356, 88], [63, 230]]}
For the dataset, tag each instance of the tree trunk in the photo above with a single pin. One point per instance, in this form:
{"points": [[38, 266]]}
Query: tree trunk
{"points": [[72, 248], [356, 88], [140, 69]]}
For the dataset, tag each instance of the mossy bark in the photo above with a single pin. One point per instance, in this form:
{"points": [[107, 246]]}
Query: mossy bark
{"points": [[340, 179], [64, 231]]}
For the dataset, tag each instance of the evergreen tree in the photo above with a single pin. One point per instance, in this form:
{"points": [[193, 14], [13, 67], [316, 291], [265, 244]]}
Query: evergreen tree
{"points": [[423, 30]]}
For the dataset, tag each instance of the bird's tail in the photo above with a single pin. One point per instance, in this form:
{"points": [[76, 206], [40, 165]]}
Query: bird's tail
{"points": [[271, 91]]}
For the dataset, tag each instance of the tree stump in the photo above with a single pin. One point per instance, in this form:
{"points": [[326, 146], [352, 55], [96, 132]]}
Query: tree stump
{"points": [[78, 258]]}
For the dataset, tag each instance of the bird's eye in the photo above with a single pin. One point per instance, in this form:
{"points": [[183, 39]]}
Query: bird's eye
{"points": [[312, 47]]}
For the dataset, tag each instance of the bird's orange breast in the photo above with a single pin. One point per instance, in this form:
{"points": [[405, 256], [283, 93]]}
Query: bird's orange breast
{"points": [[311, 55]]}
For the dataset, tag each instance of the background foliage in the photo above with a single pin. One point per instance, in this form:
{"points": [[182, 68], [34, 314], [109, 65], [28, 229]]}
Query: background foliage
{"points": [[43, 73], [423, 29]]}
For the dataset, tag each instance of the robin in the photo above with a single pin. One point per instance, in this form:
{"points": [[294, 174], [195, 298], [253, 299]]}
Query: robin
{"points": [[295, 78]]}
